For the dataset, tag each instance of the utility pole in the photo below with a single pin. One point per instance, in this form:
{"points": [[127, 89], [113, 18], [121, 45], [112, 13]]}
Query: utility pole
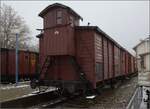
{"points": [[17, 59]]}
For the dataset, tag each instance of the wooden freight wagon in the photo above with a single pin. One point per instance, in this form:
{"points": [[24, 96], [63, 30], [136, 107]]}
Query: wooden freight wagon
{"points": [[73, 56], [98, 55], [28, 63], [3, 63]]}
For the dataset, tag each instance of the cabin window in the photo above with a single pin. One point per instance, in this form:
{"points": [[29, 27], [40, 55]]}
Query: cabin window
{"points": [[59, 17], [76, 22], [142, 62], [71, 21]]}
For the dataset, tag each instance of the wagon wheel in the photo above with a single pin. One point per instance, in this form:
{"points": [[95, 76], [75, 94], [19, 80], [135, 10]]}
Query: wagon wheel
{"points": [[60, 91], [33, 84]]}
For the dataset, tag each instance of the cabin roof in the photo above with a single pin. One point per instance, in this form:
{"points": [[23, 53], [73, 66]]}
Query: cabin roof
{"points": [[42, 13]]}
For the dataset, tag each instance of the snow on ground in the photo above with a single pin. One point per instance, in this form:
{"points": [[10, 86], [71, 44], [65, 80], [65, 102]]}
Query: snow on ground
{"points": [[37, 91], [30, 94], [23, 89], [91, 97]]}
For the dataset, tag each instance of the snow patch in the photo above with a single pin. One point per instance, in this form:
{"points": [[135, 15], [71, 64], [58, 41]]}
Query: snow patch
{"points": [[13, 87], [144, 104], [126, 86], [91, 97]]}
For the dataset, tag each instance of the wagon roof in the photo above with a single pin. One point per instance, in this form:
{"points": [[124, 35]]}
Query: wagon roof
{"points": [[42, 13], [97, 29]]}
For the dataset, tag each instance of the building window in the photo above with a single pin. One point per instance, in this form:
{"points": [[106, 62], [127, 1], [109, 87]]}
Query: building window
{"points": [[143, 63], [59, 17]]}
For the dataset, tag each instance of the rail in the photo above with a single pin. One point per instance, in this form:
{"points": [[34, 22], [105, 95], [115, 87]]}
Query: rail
{"points": [[29, 101], [38, 101]]}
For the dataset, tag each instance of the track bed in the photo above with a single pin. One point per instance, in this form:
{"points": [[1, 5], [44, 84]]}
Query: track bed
{"points": [[108, 98], [39, 100]]}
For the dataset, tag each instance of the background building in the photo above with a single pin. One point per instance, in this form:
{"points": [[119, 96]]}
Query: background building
{"points": [[143, 61]]}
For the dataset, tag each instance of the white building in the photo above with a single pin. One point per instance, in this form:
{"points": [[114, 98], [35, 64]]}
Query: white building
{"points": [[143, 61]]}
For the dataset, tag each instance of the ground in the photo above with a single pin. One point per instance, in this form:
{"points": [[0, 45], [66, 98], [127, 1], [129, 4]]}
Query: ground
{"points": [[109, 98], [11, 91]]}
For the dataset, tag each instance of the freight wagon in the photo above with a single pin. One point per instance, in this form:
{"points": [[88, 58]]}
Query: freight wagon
{"points": [[74, 57], [28, 63]]}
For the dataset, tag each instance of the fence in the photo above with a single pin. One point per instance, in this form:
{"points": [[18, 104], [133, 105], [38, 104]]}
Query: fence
{"points": [[136, 99]]}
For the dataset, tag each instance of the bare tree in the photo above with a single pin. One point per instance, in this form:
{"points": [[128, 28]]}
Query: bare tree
{"points": [[9, 22]]}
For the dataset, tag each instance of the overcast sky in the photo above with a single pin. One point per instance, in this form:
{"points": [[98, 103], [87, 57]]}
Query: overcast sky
{"points": [[124, 21]]}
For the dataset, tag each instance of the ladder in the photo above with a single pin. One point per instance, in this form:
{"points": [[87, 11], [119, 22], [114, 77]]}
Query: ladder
{"points": [[47, 64], [78, 69], [81, 74]]}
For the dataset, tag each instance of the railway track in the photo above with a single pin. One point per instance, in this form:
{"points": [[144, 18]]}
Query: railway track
{"points": [[38, 101], [54, 102]]}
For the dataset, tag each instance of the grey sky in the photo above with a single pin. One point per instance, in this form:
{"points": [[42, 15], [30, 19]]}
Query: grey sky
{"points": [[124, 21]]}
